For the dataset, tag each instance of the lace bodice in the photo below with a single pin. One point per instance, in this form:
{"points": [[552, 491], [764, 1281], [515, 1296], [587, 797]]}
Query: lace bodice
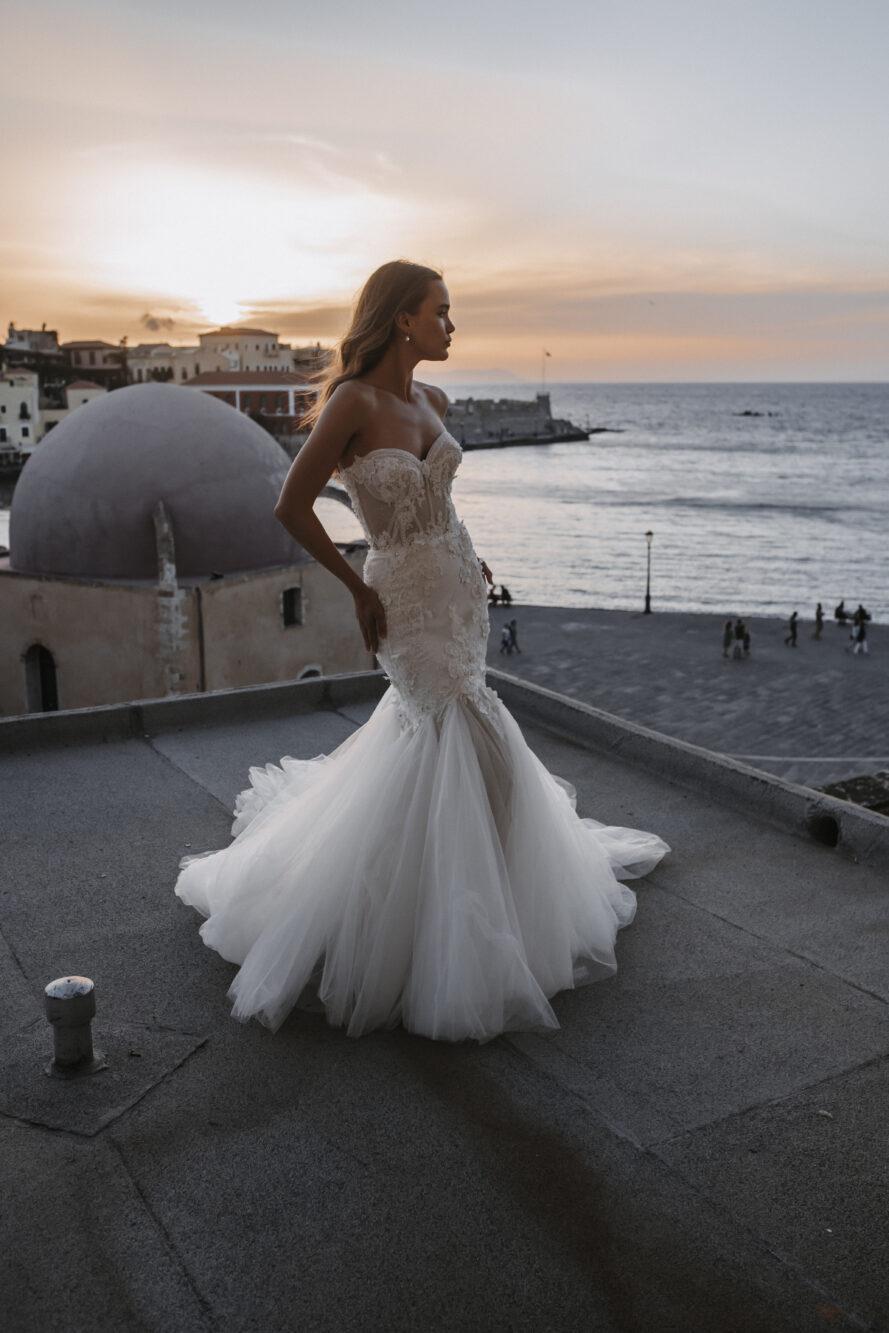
{"points": [[398, 498]]}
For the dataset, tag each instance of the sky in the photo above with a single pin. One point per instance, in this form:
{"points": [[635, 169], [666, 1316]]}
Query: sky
{"points": [[666, 190]]}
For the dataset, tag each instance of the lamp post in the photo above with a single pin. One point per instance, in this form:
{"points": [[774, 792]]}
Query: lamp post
{"points": [[648, 537]]}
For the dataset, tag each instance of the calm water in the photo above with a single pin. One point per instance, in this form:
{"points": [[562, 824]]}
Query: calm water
{"points": [[754, 515]]}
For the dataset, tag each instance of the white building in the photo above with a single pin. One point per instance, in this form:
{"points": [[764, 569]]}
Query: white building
{"points": [[179, 364], [77, 395], [255, 349], [19, 410], [40, 342]]}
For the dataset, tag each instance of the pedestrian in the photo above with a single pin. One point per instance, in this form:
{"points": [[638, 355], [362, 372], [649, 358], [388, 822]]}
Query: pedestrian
{"points": [[791, 637], [506, 640], [839, 612], [740, 630], [746, 641], [513, 629], [860, 639], [819, 621], [505, 595], [727, 635]]}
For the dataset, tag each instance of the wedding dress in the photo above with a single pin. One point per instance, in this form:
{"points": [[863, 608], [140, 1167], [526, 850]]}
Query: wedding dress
{"points": [[429, 870]]}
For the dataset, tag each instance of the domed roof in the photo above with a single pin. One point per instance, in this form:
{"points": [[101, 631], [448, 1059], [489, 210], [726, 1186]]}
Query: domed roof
{"points": [[84, 501]]}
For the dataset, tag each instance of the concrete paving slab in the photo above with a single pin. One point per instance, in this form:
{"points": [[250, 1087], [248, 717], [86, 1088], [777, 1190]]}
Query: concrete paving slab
{"points": [[20, 997], [219, 757], [700, 1022], [81, 1249], [137, 1059], [311, 1182], [811, 1175]]}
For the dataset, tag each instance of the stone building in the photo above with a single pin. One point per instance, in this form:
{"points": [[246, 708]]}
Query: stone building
{"points": [[145, 560], [105, 362]]}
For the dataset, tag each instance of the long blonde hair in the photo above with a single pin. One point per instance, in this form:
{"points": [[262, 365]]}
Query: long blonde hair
{"points": [[393, 287]]}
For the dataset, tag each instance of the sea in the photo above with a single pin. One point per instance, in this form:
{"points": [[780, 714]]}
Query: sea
{"points": [[761, 498]]}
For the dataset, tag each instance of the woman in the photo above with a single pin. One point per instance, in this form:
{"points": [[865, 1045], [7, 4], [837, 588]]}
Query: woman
{"points": [[429, 871]]}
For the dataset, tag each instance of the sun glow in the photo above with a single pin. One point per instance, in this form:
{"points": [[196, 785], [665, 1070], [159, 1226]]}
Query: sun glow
{"points": [[217, 243]]}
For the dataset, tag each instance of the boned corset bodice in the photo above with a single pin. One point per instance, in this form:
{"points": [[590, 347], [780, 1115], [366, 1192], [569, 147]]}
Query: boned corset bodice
{"points": [[399, 498]]}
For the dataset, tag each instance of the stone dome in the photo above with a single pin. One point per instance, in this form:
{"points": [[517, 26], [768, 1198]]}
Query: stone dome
{"points": [[84, 502]]}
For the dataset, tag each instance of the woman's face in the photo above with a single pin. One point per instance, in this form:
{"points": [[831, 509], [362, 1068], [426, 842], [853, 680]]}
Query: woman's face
{"points": [[431, 328]]}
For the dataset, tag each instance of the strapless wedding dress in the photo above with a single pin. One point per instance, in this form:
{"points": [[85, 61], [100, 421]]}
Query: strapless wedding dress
{"points": [[429, 871]]}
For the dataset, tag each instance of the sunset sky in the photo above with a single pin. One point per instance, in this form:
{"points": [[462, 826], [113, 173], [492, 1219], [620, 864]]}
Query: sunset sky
{"points": [[665, 190]]}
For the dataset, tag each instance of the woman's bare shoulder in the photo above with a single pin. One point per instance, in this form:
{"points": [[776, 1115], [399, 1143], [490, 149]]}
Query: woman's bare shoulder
{"points": [[436, 396]]}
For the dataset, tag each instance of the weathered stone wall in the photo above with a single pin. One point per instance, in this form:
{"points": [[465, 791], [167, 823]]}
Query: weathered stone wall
{"points": [[105, 640], [115, 642], [247, 643], [471, 420]]}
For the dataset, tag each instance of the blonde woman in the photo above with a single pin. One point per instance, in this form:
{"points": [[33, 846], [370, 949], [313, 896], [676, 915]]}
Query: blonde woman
{"points": [[429, 871]]}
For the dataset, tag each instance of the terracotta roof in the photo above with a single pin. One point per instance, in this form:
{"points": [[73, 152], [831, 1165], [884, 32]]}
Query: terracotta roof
{"points": [[244, 379], [231, 331], [91, 342], [85, 384]]}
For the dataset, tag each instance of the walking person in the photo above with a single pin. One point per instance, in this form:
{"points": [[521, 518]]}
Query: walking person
{"points": [[506, 640], [860, 639], [513, 631], [428, 871], [819, 621], [791, 637], [728, 634]]}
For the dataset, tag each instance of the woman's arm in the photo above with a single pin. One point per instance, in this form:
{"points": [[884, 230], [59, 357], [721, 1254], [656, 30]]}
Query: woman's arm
{"points": [[309, 473]]}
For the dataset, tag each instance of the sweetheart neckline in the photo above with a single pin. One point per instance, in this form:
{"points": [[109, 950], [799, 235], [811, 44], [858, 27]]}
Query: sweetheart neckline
{"points": [[391, 449]]}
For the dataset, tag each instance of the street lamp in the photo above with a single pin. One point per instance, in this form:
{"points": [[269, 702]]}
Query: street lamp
{"points": [[648, 537]]}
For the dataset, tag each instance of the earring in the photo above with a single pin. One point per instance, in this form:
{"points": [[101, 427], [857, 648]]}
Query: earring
{"points": [[407, 337]]}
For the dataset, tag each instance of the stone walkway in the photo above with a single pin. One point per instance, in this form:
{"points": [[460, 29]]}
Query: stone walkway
{"points": [[813, 714]]}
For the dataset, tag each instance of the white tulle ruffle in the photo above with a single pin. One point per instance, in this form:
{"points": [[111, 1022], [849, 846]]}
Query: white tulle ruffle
{"points": [[438, 877]]}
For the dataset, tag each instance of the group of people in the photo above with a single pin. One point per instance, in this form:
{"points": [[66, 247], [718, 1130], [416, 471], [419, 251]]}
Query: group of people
{"points": [[509, 642], [738, 634], [504, 595], [857, 636]]}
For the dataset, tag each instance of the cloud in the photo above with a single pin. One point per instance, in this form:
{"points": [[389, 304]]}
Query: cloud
{"points": [[156, 322]]}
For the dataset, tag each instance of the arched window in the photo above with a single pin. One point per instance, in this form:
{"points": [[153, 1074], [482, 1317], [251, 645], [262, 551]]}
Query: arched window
{"points": [[41, 687]]}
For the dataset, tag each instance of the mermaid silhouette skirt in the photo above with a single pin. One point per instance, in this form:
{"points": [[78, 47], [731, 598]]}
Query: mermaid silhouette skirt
{"points": [[429, 871]]}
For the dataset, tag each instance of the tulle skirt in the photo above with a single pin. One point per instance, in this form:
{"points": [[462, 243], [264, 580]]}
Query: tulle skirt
{"points": [[438, 877]]}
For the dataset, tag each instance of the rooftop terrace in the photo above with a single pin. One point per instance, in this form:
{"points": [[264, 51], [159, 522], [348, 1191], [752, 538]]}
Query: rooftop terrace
{"points": [[701, 1146]]}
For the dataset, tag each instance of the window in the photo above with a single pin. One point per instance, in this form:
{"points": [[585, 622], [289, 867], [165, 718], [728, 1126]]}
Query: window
{"points": [[292, 606], [2, 435], [41, 686], [92, 358], [25, 432]]}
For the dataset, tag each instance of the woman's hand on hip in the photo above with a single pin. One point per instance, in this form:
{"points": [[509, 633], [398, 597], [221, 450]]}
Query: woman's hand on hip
{"points": [[371, 617]]}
